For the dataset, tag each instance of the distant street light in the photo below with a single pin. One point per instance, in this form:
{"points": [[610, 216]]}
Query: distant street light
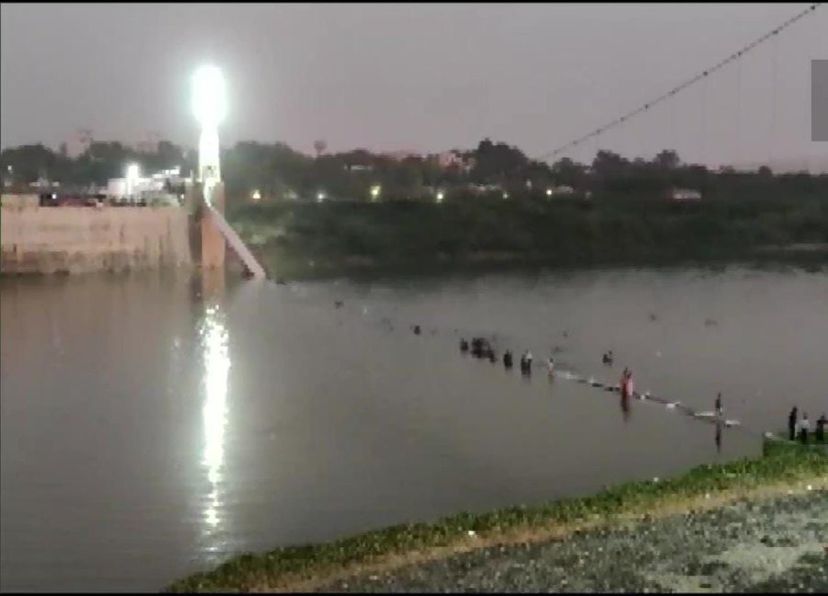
{"points": [[133, 173], [440, 197], [320, 196], [375, 192], [256, 195], [548, 192], [209, 108], [505, 195]]}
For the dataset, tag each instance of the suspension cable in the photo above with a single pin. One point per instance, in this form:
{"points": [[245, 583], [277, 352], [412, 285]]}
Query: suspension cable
{"points": [[738, 116], [703, 127], [771, 147], [679, 88]]}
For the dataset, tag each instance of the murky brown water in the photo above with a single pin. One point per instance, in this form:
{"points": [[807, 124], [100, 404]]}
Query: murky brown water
{"points": [[149, 431]]}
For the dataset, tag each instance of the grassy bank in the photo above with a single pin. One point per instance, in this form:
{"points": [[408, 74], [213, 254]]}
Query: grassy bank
{"points": [[782, 464], [298, 240]]}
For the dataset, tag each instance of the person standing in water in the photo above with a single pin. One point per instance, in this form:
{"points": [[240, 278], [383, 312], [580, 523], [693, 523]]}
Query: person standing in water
{"points": [[550, 366], [792, 424], [626, 383], [719, 409], [507, 359]]}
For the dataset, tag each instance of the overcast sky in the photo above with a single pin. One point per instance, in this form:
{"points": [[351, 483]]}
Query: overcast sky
{"points": [[422, 77]]}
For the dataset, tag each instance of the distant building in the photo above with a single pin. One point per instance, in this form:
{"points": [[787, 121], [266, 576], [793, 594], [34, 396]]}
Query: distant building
{"points": [[684, 194], [148, 146], [158, 186], [401, 155], [484, 188], [562, 190], [359, 167], [454, 158]]}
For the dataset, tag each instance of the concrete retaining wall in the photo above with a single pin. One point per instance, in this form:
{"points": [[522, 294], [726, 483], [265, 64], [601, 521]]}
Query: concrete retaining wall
{"points": [[84, 239], [18, 201]]}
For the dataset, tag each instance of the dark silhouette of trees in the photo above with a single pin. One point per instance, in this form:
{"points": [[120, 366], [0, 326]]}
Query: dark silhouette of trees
{"points": [[279, 172]]}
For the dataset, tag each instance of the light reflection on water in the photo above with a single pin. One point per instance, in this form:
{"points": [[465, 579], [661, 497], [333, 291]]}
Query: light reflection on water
{"points": [[213, 343], [216, 368]]}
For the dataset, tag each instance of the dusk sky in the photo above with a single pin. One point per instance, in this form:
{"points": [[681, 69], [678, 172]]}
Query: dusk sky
{"points": [[423, 77]]}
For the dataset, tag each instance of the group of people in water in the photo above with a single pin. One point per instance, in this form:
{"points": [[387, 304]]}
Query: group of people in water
{"points": [[799, 429], [481, 348]]}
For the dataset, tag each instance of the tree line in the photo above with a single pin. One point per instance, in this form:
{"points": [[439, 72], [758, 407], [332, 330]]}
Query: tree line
{"points": [[498, 169]]}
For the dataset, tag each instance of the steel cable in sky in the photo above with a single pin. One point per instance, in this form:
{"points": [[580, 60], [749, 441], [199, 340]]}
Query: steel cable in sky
{"points": [[679, 88]]}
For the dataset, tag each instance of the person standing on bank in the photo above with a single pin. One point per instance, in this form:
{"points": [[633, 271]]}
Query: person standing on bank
{"points": [[792, 424], [804, 427], [820, 428]]}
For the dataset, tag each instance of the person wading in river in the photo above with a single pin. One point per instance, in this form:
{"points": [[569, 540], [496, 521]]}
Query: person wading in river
{"points": [[507, 359], [627, 386], [719, 409]]}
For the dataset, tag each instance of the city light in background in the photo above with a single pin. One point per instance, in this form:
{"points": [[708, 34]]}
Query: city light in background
{"points": [[133, 173], [375, 192]]}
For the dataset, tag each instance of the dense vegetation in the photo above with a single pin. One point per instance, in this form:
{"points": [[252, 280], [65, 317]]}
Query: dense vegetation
{"points": [[295, 239], [782, 463]]}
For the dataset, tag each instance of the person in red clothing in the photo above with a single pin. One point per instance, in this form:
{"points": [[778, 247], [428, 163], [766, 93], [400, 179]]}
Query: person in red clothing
{"points": [[625, 377]]}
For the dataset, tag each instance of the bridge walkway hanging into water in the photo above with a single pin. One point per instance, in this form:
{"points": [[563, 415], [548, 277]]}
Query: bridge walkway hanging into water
{"points": [[235, 243]]}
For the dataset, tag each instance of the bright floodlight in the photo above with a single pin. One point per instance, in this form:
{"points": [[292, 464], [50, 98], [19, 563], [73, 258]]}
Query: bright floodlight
{"points": [[209, 100], [133, 171], [375, 191], [256, 195], [320, 196], [440, 196], [209, 107], [548, 192]]}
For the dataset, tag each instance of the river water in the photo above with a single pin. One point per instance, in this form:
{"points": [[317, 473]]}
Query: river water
{"points": [[154, 425]]}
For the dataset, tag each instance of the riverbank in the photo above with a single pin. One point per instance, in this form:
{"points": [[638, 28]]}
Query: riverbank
{"points": [[763, 543], [784, 467], [307, 240]]}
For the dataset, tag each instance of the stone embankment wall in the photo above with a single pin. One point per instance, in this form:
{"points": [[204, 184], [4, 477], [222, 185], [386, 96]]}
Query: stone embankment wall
{"points": [[85, 239]]}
